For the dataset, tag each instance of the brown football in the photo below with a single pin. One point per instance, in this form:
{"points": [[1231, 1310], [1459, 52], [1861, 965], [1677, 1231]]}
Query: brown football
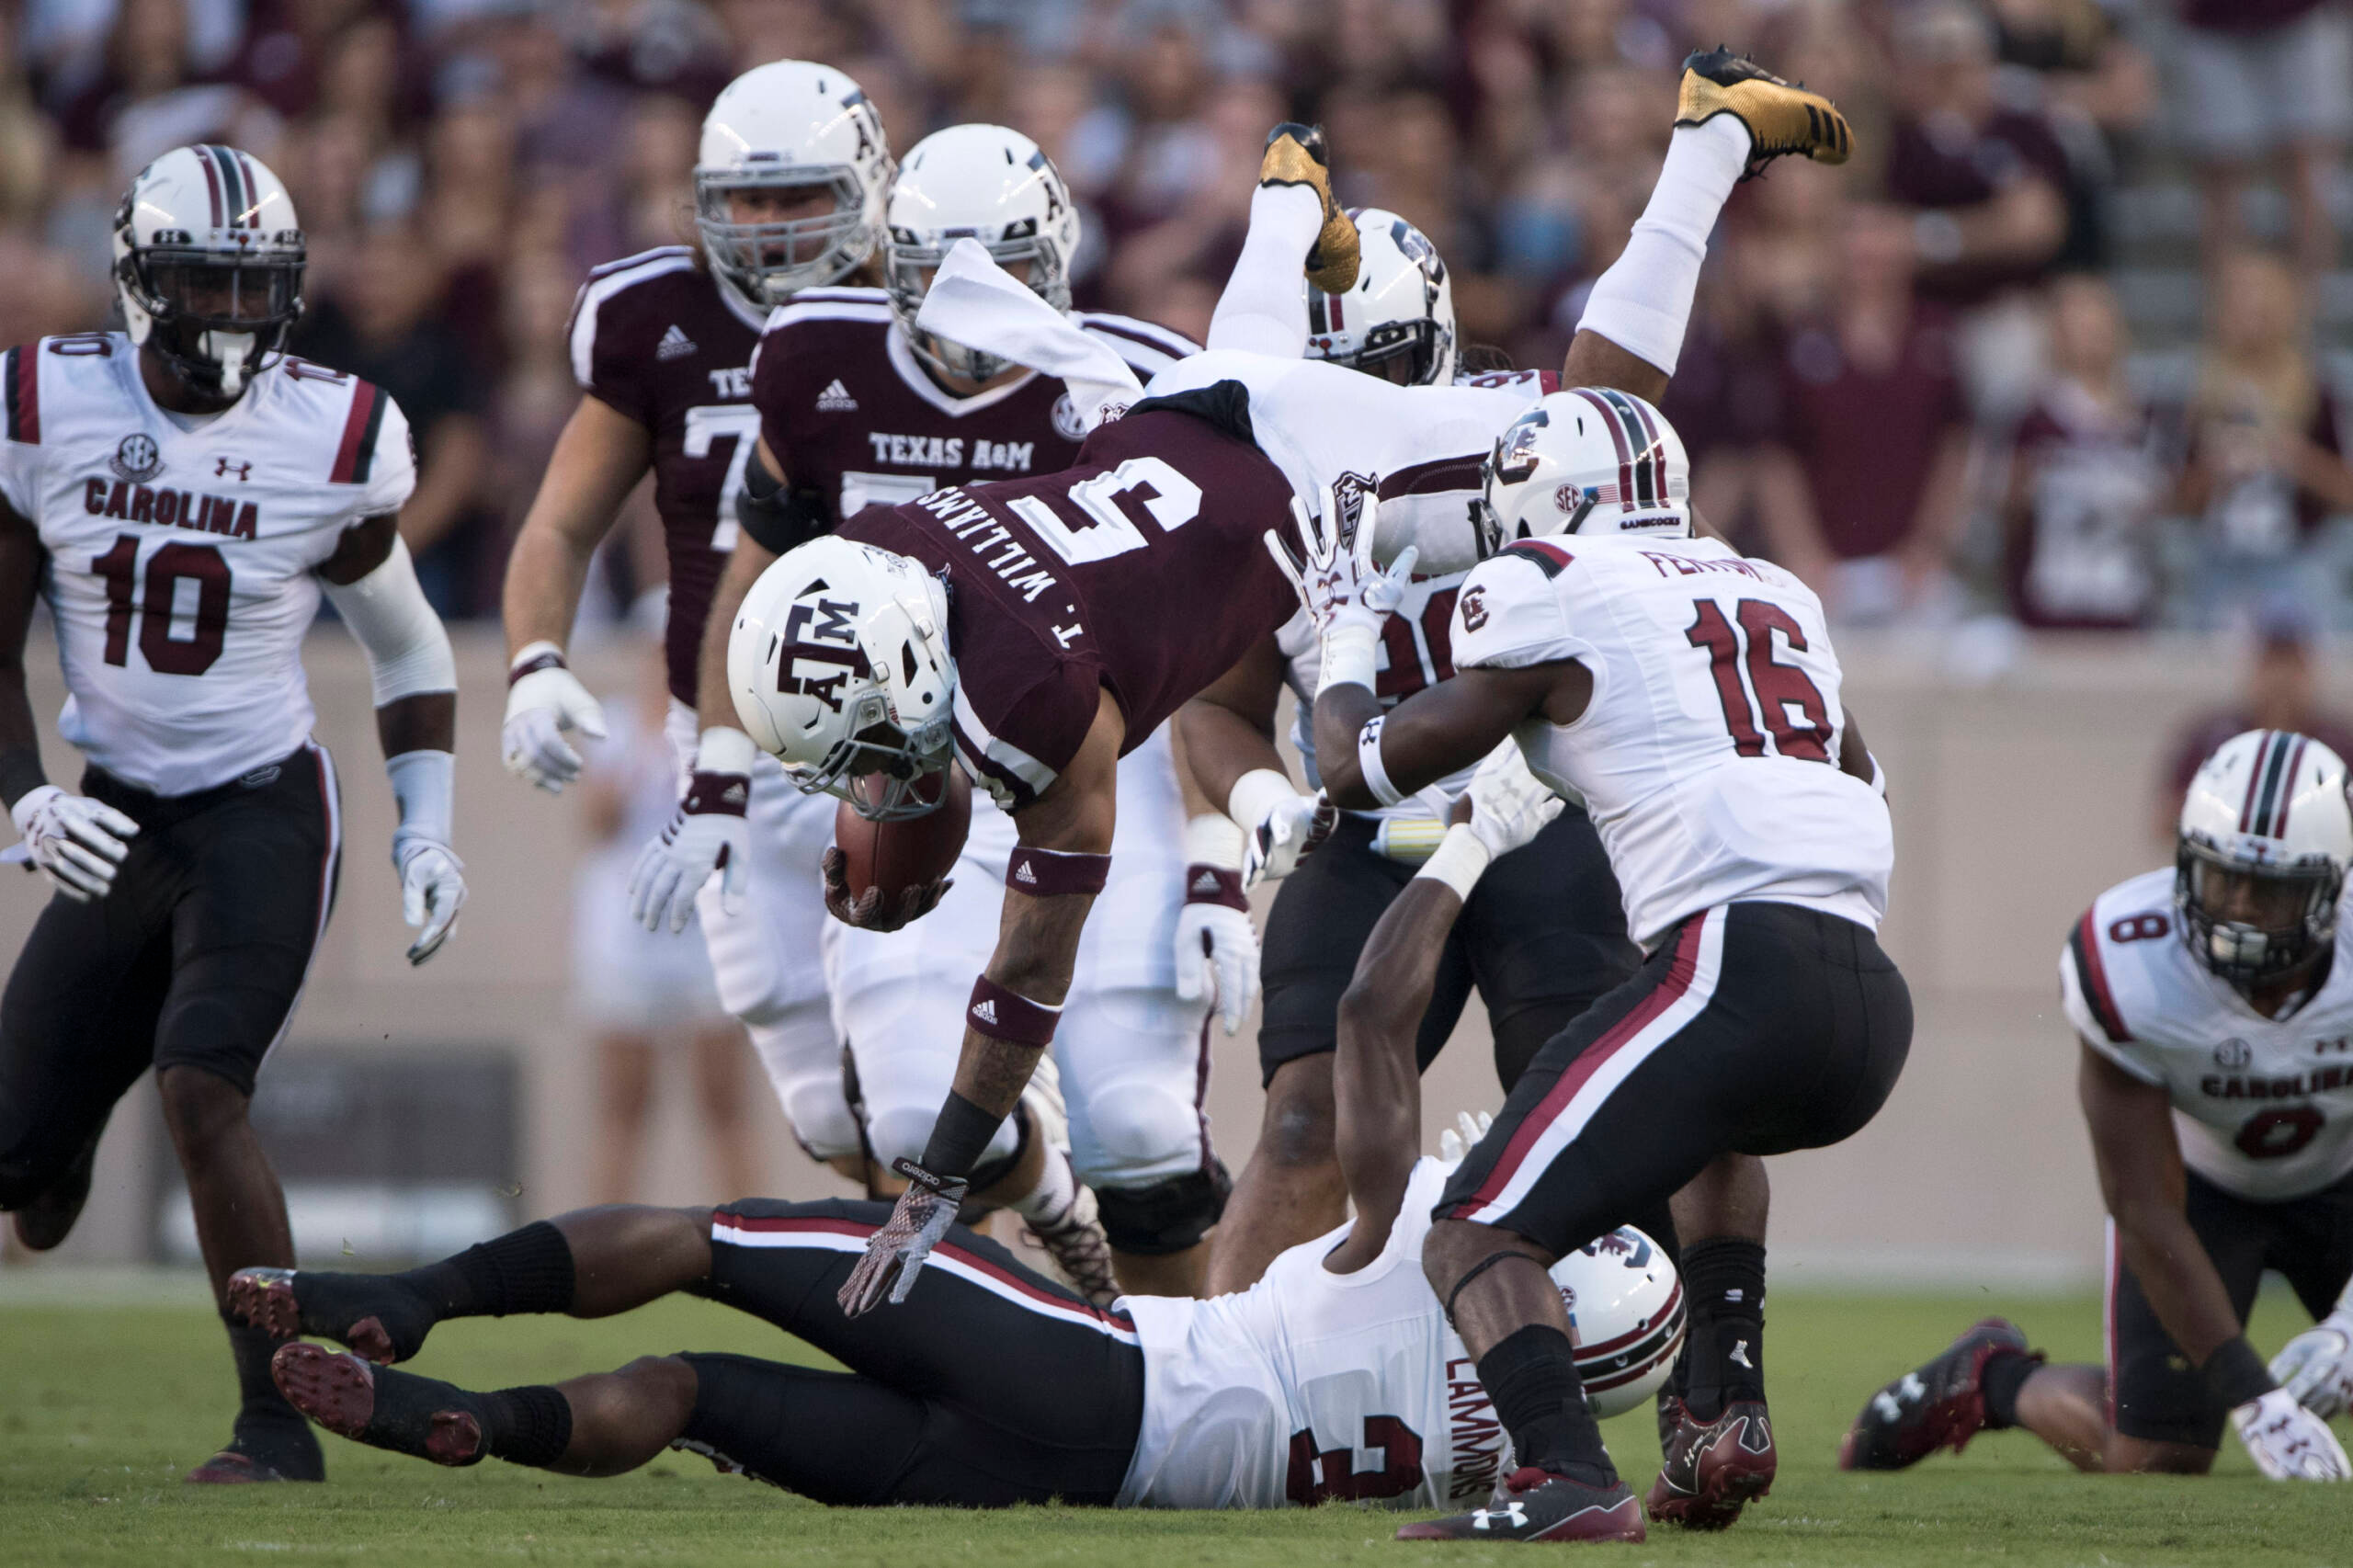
{"points": [[909, 852]]}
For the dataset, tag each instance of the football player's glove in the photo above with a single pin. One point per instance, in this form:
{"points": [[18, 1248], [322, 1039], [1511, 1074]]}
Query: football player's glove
{"points": [[2288, 1442], [1214, 938], [1453, 1144], [540, 706], [433, 889], [2316, 1366], [1345, 594], [709, 835], [76, 842], [1284, 829], [896, 1251], [1509, 805]]}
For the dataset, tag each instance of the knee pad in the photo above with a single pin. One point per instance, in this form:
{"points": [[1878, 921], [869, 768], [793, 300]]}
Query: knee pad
{"points": [[1129, 1133], [1169, 1216], [805, 1066], [900, 1131]]}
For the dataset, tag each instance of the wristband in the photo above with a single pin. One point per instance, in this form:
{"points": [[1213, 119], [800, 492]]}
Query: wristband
{"points": [[716, 794], [2236, 1374], [424, 783], [1006, 1014], [725, 749], [533, 657], [959, 1139], [1050, 873], [1376, 776], [1214, 839], [1458, 861], [1347, 658], [1215, 884]]}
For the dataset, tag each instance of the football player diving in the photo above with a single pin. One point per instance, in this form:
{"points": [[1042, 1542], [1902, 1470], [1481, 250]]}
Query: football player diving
{"points": [[2217, 1085]]}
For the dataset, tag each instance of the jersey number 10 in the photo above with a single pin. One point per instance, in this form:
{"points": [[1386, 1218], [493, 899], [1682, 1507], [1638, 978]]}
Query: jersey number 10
{"points": [[170, 566]]}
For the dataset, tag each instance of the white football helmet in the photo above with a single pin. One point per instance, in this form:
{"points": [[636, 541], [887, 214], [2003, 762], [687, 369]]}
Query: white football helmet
{"points": [[2266, 834], [839, 664], [1587, 460], [1398, 322], [208, 264], [980, 182], [787, 125], [1626, 1304]]}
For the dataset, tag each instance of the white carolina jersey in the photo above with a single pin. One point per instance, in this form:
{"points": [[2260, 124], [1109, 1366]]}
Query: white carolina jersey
{"points": [[1312, 1386], [1707, 756], [2263, 1107], [180, 561]]}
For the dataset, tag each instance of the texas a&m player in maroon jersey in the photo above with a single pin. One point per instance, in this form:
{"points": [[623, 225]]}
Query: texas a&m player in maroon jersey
{"points": [[789, 186], [860, 406]]}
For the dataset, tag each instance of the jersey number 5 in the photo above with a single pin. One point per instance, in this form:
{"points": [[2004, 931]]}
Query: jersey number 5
{"points": [[170, 566], [1779, 688]]}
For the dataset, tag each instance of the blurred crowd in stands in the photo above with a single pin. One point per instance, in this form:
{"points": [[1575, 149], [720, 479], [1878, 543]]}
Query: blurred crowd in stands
{"points": [[2058, 346]]}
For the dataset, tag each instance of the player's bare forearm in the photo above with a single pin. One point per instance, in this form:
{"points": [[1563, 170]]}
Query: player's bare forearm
{"points": [[1595, 361], [713, 704], [1439, 729], [427, 721], [21, 564], [1376, 1091], [601, 454], [2143, 1184], [1229, 729]]}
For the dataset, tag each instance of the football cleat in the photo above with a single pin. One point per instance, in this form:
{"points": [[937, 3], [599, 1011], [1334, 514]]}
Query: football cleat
{"points": [[1781, 118], [1536, 1505], [48, 1218], [1940, 1406], [1075, 1243], [375, 1315], [1295, 155], [1708, 1469], [263, 1449], [378, 1406]]}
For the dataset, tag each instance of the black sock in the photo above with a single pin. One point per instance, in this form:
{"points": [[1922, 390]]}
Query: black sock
{"points": [[1725, 1280], [258, 1396], [2004, 1374], [1531, 1374], [528, 1426], [527, 1270]]}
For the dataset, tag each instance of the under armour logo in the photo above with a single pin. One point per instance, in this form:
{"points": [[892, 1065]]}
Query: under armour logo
{"points": [[985, 1010], [1513, 1515], [223, 467]]}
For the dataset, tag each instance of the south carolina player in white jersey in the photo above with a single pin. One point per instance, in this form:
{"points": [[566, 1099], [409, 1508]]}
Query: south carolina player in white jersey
{"points": [[2216, 1076], [789, 191], [1545, 937], [1689, 699], [860, 406], [1337, 1377], [180, 494]]}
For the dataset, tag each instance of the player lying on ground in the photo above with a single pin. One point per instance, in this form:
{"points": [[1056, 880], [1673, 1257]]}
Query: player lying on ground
{"points": [[2218, 1088], [188, 481], [1337, 1377], [1056, 652]]}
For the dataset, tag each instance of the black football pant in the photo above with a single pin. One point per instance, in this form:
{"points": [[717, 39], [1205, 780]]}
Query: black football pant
{"points": [[989, 1385]]}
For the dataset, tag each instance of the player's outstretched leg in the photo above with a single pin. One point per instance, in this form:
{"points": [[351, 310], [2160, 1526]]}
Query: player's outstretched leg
{"points": [[1296, 156], [1782, 117], [590, 1262], [1941, 1404], [1293, 220], [427, 1419]]}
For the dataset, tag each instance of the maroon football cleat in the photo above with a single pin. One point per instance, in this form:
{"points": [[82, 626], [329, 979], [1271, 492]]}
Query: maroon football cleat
{"points": [[1710, 1469], [1940, 1406], [378, 1406], [374, 1314], [1536, 1505]]}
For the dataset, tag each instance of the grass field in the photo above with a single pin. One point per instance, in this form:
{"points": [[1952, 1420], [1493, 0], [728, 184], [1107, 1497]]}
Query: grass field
{"points": [[102, 1408]]}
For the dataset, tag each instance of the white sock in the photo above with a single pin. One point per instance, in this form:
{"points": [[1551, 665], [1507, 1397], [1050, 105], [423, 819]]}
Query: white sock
{"points": [[1263, 308], [1643, 303], [1056, 1190]]}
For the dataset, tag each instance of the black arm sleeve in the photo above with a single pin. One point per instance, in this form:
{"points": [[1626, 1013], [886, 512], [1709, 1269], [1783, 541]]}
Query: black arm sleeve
{"points": [[775, 518]]}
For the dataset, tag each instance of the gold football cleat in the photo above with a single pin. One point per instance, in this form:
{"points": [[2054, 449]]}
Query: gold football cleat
{"points": [[1782, 119], [1295, 155]]}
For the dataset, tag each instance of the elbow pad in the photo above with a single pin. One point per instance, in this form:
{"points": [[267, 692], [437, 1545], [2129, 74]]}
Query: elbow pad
{"points": [[408, 651], [775, 518]]}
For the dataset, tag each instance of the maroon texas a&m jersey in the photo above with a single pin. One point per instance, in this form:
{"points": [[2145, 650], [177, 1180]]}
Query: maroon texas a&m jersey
{"points": [[655, 337], [1141, 570], [856, 421]]}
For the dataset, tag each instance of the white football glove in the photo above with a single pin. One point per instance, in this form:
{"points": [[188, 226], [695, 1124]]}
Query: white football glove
{"points": [[2288, 1442], [1343, 591], [540, 707], [1279, 825], [709, 835], [2316, 1366], [1509, 805], [1452, 1145], [76, 841], [1215, 940], [433, 889]]}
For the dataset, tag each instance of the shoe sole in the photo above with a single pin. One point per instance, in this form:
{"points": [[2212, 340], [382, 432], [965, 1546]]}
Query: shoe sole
{"points": [[339, 1393], [226, 1469], [264, 1299]]}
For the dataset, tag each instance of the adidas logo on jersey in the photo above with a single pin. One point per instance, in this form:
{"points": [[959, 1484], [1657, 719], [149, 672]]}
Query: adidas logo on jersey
{"points": [[673, 344], [835, 399], [985, 1010]]}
